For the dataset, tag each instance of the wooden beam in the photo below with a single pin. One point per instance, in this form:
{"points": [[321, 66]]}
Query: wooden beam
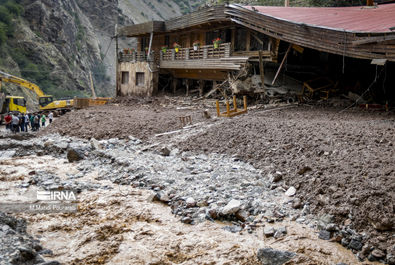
{"points": [[282, 63], [187, 87], [117, 85], [373, 40], [261, 71], [257, 39], [174, 83], [233, 40], [248, 40], [92, 87], [215, 87], [150, 45], [201, 87]]}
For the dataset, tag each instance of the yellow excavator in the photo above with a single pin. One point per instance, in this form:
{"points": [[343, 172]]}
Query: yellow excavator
{"points": [[46, 102]]}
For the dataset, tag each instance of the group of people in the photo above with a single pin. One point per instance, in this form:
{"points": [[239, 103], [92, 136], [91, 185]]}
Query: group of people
{"points": [[19, 122]]}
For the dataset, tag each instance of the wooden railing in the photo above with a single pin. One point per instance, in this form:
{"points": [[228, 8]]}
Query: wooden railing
{"points": [[136, 57], [203, 52]]}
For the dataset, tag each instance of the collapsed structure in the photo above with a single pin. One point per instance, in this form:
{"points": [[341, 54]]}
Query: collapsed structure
{"points": [[202, 49]]}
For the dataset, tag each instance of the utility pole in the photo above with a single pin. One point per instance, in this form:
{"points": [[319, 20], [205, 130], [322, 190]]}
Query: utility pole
{"points": [[286, 3], [117, 62]]}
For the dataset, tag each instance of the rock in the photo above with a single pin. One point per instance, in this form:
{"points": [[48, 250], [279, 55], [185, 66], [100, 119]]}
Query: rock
{"points": [[281, 231], [306, 209], [51, 263], [164, 151], [325, 235], [300, 220], [49, 142], [95, 144], [74, 155], [7, 154], [278, 176], [268, 231], [377, 254], [304, 170], [242, 215], [233, 228], [384, 224], [341, 263], [291, 191], [390, 259], [27, 254], [161, 196], [206, 114], [232, 207], [187, 220], [190, 202], [269, 256], [202, 203], [25, 185], [355, 244], [212, 213], [345, 242], [331, 227], [296, 203]]}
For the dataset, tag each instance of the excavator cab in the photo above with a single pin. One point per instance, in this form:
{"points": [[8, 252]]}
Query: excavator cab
{"points": [[44, 101]]}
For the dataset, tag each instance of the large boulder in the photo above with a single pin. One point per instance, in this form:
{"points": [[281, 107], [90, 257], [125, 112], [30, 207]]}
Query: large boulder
{"points": [[269, 256], [74, 154]]}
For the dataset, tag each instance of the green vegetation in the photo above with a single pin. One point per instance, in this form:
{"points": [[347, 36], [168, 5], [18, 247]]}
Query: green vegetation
{"points": [[99, 72], [80, 37], [9, 10]]}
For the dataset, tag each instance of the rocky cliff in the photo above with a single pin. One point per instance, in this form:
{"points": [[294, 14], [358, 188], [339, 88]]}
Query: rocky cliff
{"points": [[56, 44]]}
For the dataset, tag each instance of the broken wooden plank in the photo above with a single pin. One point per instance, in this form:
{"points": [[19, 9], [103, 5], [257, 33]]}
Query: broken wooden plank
{"points": [[282, 63]]}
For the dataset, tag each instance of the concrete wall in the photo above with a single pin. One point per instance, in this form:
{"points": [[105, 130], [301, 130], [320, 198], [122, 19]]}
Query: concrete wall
{"points": [[150, 86]]}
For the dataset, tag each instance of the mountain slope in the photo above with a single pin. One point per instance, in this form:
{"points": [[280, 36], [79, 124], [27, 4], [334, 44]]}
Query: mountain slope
{"points": [[55, 44]]}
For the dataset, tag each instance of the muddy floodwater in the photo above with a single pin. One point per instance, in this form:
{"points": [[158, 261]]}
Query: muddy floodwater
{"points": [[120, 224]]}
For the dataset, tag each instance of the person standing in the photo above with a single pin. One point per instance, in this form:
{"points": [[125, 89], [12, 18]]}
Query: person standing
{"points": [[15, 123], [8, 120], [36, 122], [22, 122], [50, 117], [32, 121], [43, 120], [26, 122]]}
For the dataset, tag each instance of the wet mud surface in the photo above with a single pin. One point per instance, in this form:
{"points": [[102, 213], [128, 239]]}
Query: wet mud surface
{"points": [[341, 164], [121, 225], [131, 116]]}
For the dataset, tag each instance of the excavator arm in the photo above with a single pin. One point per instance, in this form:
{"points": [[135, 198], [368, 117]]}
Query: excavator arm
{"points": [[46, 102], [22, 82]]}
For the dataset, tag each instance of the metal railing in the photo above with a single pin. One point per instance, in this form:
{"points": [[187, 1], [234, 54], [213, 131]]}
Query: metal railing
{"points": [[201, 53]]}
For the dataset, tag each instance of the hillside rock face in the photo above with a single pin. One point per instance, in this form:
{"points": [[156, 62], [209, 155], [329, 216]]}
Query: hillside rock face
{"points": [[67, 39]]}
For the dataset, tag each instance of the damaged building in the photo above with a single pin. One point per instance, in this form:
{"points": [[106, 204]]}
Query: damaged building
{"points": [[313, 51]]}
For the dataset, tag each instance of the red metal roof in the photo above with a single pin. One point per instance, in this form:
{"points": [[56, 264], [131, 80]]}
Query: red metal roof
{"points": [[355, 19]]}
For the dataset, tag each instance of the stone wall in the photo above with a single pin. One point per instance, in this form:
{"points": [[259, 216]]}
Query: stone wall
{"points": [[131, 87]]}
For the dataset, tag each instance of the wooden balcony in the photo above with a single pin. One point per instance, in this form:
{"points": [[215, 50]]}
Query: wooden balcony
{"points": [[205, 57], [136, 56]]}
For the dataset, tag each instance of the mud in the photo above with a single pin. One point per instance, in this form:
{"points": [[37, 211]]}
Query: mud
{"points": [[121, 225], [341, 163], [141, 118]]}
